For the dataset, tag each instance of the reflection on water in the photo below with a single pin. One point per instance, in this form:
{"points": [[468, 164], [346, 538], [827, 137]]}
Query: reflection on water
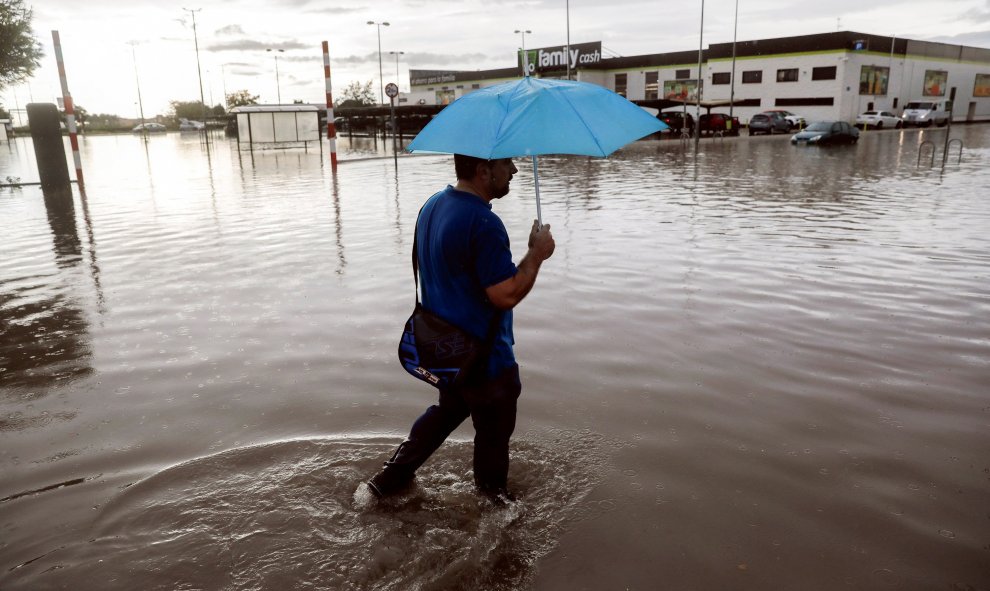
{"points": [[44, 334], [759, 367], [270, 516]]}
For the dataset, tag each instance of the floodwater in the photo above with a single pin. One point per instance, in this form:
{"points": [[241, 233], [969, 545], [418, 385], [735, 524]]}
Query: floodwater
{"points": [[761, 367]]}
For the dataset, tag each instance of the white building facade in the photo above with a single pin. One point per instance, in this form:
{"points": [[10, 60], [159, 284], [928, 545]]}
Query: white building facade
{"points": [[826, 76]]}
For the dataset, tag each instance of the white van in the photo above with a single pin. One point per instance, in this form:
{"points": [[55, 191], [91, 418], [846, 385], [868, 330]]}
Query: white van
{"points": [[924, 112]]}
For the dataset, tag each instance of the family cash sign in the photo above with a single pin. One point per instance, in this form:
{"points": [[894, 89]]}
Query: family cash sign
{"points": [[554, 59]]}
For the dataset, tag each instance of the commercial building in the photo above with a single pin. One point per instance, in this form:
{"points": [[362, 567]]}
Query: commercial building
{"points": [[825, 76]]}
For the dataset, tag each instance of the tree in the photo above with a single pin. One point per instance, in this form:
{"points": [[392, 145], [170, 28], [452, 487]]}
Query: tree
{"points": [[357, 95], [104, 121], [20, 52], [241, 98], [187, 109]]}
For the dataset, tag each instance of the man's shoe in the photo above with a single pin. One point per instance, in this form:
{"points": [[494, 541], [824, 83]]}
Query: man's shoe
{"points": [[388, 482], [500, 497]]}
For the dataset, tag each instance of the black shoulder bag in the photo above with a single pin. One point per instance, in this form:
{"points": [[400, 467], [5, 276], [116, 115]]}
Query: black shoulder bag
{"points": [[436, 351]]}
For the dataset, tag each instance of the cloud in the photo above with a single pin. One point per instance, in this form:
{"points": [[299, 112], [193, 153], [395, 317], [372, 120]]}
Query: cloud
{"points": [[414, 59], [972, 39], [253, 45], [338, 10], [978, 15], [230, 30], [353, 60], [444, 59], [315, 57]]}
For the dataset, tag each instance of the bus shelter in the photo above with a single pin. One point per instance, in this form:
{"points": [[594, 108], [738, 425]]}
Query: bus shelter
{"points": [[277, 126]]}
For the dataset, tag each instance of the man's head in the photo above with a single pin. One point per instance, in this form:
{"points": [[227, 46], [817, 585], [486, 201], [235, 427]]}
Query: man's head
{"points": [[489, 177]]}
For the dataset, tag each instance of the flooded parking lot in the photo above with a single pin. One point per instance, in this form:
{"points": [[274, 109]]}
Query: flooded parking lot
{"points": [[760, 367]]}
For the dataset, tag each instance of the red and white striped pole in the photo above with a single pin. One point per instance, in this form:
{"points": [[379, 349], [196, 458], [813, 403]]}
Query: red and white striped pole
{"points": [[70, 113], [331, 129]]}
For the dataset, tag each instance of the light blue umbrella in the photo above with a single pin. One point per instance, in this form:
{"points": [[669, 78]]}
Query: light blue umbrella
{"points": [[534, 116]]}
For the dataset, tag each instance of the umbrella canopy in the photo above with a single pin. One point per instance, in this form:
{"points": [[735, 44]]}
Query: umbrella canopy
{"points": [[534, 116]]}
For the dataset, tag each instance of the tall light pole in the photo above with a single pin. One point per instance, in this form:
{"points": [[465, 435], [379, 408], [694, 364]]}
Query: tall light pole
{"points": [[223, 78], [568, 54], [397, 54], [278, 86], [381, 77], [199, 70], [137, 80], [697, 90], [525, 59], [732, 75]]}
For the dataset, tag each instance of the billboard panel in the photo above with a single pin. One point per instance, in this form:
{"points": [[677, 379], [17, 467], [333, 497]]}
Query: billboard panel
{"points": [[680, 90]]}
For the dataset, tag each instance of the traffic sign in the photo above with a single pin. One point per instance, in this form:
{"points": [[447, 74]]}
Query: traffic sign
{"points": [[392, 90]]}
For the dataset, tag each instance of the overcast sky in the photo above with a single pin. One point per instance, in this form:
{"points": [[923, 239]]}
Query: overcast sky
{"points": [[434, 34]]}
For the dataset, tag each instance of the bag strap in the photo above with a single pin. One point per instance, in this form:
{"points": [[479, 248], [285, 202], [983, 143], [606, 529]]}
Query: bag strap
{"points": [[496, 316]]}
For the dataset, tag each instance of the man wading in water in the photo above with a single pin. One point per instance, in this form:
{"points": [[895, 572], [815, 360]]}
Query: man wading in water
{"points": [[467, 276]]}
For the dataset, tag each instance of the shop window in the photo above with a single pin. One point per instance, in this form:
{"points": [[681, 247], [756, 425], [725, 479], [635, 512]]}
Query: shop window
{"points": [[682, 74], [873, 80], [752, 77], [721, 78], [787, 75], [620, 84], [652, 85], [823, 73], [824, 101], [475, 86]]}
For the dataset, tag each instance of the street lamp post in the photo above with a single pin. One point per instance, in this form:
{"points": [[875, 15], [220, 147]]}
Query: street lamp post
{"points": [[397, 54], [732, 75], [223, 78], [381, 77], [697, 90], [137, 80], [567, 55], [278, 86], [525, 60], [199, 70]]}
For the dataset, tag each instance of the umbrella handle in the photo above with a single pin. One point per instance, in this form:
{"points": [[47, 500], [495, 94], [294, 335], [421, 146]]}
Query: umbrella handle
{"points": [[536, 182]]}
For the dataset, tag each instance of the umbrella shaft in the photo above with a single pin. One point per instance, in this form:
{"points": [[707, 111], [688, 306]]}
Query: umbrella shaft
{"points": [[536, 183]]}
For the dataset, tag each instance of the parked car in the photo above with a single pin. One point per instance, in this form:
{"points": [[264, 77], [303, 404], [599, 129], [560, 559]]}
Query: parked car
{"points": [[149, 128], [796, 121], [879, 120], [187, 125], [719, 122], [770, 122], [823, 133], [925, 112], [678, 121]]}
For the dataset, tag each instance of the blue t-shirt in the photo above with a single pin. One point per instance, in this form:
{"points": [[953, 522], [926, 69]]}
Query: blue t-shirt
{"points": [[463, 248]]}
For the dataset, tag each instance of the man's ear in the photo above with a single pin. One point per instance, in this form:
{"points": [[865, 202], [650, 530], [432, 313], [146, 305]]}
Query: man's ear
{"points": [[484, 170]]}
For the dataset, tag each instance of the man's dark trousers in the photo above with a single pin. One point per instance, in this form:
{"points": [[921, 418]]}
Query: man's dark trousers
{"points": [[491, 404]]}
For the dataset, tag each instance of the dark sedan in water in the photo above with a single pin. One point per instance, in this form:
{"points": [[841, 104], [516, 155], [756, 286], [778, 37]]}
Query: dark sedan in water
{"points": [[769, 122], [823, 133]]}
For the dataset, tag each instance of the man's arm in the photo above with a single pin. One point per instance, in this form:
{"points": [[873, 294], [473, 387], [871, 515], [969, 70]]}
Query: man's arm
{"points": [[508, 293]]}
